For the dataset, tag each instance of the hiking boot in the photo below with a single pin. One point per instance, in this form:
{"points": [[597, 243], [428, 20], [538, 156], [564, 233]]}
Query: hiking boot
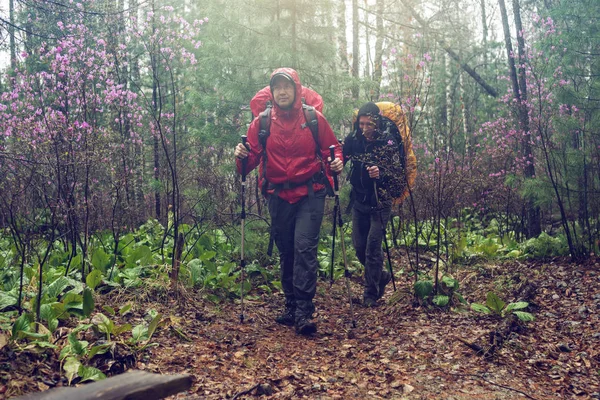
{"points": [[305, 326], [287, 318], [386, 277], [369, 302]]}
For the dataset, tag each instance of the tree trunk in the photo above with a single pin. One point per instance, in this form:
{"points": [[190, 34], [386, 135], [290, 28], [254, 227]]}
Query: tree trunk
{"points": [[294, 35], [342, 42], [11, 33], [367, 41], [377, 72], [154, 66], [484, 28], [463, 106], [355, 49], [520, 95], [448, 104]]}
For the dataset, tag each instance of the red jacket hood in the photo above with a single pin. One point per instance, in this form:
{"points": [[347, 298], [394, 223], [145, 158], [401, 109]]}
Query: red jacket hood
{"points": [[291, 73]]}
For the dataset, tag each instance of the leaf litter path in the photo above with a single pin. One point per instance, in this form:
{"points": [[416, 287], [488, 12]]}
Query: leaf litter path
{"points": [[396, 351]]}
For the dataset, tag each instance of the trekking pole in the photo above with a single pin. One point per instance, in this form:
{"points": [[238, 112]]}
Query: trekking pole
{"points": [[338, 215], [243, 218], [383, 228], [333, 229]]}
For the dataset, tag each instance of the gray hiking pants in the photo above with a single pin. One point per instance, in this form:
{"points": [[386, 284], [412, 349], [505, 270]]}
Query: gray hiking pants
{"points": [[296, 230], [367, 237]]}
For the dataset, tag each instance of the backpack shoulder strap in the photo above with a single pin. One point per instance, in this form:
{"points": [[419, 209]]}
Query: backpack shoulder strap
{"points": [[265, 125], [312, 122]]}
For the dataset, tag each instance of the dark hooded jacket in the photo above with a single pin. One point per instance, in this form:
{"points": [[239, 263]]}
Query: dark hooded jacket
{"points": [[291, 148], [357, 149]]}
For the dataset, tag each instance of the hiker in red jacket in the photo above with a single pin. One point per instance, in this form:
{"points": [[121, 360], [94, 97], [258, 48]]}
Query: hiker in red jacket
{"points": [[294, 176]]}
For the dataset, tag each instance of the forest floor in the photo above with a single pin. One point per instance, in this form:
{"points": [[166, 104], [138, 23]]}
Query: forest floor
{"points": [[398, 350]]}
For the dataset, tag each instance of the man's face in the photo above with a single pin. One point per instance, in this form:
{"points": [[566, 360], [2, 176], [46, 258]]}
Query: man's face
{"points": [[366, 124], [284, 93]]}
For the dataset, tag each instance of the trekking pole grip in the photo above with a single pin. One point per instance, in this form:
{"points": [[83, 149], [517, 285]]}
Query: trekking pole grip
{"points": [[335, 175]]}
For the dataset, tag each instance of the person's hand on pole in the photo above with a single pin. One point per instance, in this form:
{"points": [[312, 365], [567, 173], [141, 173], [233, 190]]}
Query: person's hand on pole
{"points": [[373, 171], [242, 150], [335, 164]]}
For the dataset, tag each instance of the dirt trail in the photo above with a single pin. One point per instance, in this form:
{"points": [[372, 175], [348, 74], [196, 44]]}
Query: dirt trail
{"points": [[397, 351]]}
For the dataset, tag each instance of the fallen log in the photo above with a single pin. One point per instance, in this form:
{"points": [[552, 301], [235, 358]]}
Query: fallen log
{"points": [[134, 385]]}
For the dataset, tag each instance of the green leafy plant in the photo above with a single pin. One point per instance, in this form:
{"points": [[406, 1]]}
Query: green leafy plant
{"points": [[494, 305], [423, 288], [447, 291], [75, 351], [105, 325]]}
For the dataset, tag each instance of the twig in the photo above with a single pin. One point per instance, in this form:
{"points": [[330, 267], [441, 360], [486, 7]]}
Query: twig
{"points": [[496, 384], [245, 391], [476, 348]]}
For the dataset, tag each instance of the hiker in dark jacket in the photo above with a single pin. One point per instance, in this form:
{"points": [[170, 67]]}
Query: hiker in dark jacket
{"points": [[294, 178], [370, 210]]}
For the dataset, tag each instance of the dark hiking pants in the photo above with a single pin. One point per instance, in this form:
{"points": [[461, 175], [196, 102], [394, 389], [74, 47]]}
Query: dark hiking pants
{"points": [[296, 230], [367, 237]]}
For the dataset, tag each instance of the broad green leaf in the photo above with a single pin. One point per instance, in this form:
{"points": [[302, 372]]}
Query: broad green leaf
{"points": [[73, 303], [450, 282], [77, 286], [7, 300], [78, 347], [93, 279], [52, 324], [54, 289], [64, 352], [22, 324], [516, 306], [71, 368], [76, 262], [103, 323], [117, 330], [480, 308], [125, 309], [513, 254], [524, 316], [423, 288], [99, 349], [494, 303], [441, 300], [109, 310], [208, 255], [139, 332], [44, 344], [153, 325], [35, 335], [72, 298], [88, 302], [100, 260], [82, 327], [75, 309], [141, 253], [47, 312], [90, 374]]}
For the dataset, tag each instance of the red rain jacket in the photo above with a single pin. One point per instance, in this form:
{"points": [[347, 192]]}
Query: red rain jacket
{"points": [[291, 155]]}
